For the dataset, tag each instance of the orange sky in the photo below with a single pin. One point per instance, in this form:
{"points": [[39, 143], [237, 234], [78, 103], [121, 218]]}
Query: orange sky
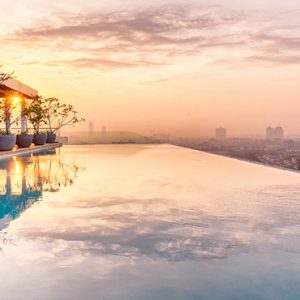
{"points": [[179, 67]]}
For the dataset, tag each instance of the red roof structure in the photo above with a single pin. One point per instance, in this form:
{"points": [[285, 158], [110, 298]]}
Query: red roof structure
{"points": [[13, 85]]}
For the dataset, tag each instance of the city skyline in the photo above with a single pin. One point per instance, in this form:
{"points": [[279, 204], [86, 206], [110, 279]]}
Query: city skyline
{"points": [[221, 133], [180, 67]]}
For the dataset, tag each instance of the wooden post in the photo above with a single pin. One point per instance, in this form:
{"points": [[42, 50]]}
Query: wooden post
{"points": [[23, 119], [7, 117]]}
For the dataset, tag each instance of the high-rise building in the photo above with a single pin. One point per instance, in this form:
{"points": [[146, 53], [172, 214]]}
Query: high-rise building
{"points": [[103, 131], [276, 133], [221, 133], [269, 133], [91, 129], [279, 133]]}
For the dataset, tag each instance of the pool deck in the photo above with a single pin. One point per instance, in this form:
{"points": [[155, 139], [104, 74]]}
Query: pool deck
{"points": [[31, 149]]}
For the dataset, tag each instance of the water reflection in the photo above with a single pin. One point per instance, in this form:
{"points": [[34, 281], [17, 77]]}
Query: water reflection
{"points": [[24, 179], [159, 230], [164, 223], [160, 221]]}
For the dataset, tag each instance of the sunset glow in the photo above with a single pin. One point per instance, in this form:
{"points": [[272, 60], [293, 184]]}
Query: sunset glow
{"points": [[180, 67], [149, 150]]}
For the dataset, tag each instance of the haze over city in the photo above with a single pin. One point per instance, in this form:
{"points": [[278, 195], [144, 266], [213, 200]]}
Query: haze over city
{"points": [[180, 67]]}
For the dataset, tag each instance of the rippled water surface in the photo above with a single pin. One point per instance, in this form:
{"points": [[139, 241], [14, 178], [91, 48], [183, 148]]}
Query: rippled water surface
{"points": [[147, 222]]}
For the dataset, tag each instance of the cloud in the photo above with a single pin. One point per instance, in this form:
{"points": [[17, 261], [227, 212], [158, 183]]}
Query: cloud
{"points": [[98, 62], [101, 63], [276, 43], [157, 36], [140, 26], [277, 59]]}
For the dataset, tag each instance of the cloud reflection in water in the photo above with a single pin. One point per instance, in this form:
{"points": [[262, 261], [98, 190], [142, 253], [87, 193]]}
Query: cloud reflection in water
{"points": [[152, 228], [120, 231]]}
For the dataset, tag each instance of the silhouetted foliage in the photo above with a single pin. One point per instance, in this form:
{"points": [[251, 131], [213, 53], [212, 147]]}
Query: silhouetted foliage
{"points": [[35, 111], [59, 115]]}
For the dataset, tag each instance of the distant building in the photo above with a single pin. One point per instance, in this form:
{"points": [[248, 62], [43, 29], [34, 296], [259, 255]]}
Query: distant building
{"points": [[161, 137], [103, 131], [276, 133], [290, 144], [221, 133], [64, 140], [269, 133], [279, 133], [91, 129]]}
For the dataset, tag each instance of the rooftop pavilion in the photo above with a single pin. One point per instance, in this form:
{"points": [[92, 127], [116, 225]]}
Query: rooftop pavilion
{"points": [[13, 91], [20, 91]]}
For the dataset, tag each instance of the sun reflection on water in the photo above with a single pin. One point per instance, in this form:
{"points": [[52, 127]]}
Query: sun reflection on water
{"points": [[24, 180]]}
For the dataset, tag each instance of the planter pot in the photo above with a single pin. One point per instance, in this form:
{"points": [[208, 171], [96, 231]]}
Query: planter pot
{"points": [[51, 138], [24, 140], [7, 142], [39, 138]]}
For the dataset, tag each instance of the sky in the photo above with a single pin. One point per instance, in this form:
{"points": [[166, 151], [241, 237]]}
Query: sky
{"points": [[181, 67]]}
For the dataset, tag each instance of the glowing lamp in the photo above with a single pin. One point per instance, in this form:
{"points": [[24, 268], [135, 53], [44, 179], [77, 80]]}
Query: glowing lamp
{"points": [[16, 101]]}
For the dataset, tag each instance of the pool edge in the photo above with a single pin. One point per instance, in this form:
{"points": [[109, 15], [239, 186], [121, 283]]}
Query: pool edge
{"points": [[34, 149]]}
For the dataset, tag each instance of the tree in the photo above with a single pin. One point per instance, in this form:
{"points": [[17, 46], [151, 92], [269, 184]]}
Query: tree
{"points": [[6, 105], [52, 112], [4, 76], [59, 115], [35, 112]]}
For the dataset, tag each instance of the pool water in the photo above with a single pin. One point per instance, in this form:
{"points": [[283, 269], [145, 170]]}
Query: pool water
{"points": [[147, 222]]}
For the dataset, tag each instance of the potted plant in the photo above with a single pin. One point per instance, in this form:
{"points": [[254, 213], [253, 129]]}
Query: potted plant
{"points": [[59, 115], [52, 112], [24, 139], [36, 112], [7, 139]]}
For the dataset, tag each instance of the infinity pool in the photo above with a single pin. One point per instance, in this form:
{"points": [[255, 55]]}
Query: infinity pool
{"points": [[137, 222]]}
